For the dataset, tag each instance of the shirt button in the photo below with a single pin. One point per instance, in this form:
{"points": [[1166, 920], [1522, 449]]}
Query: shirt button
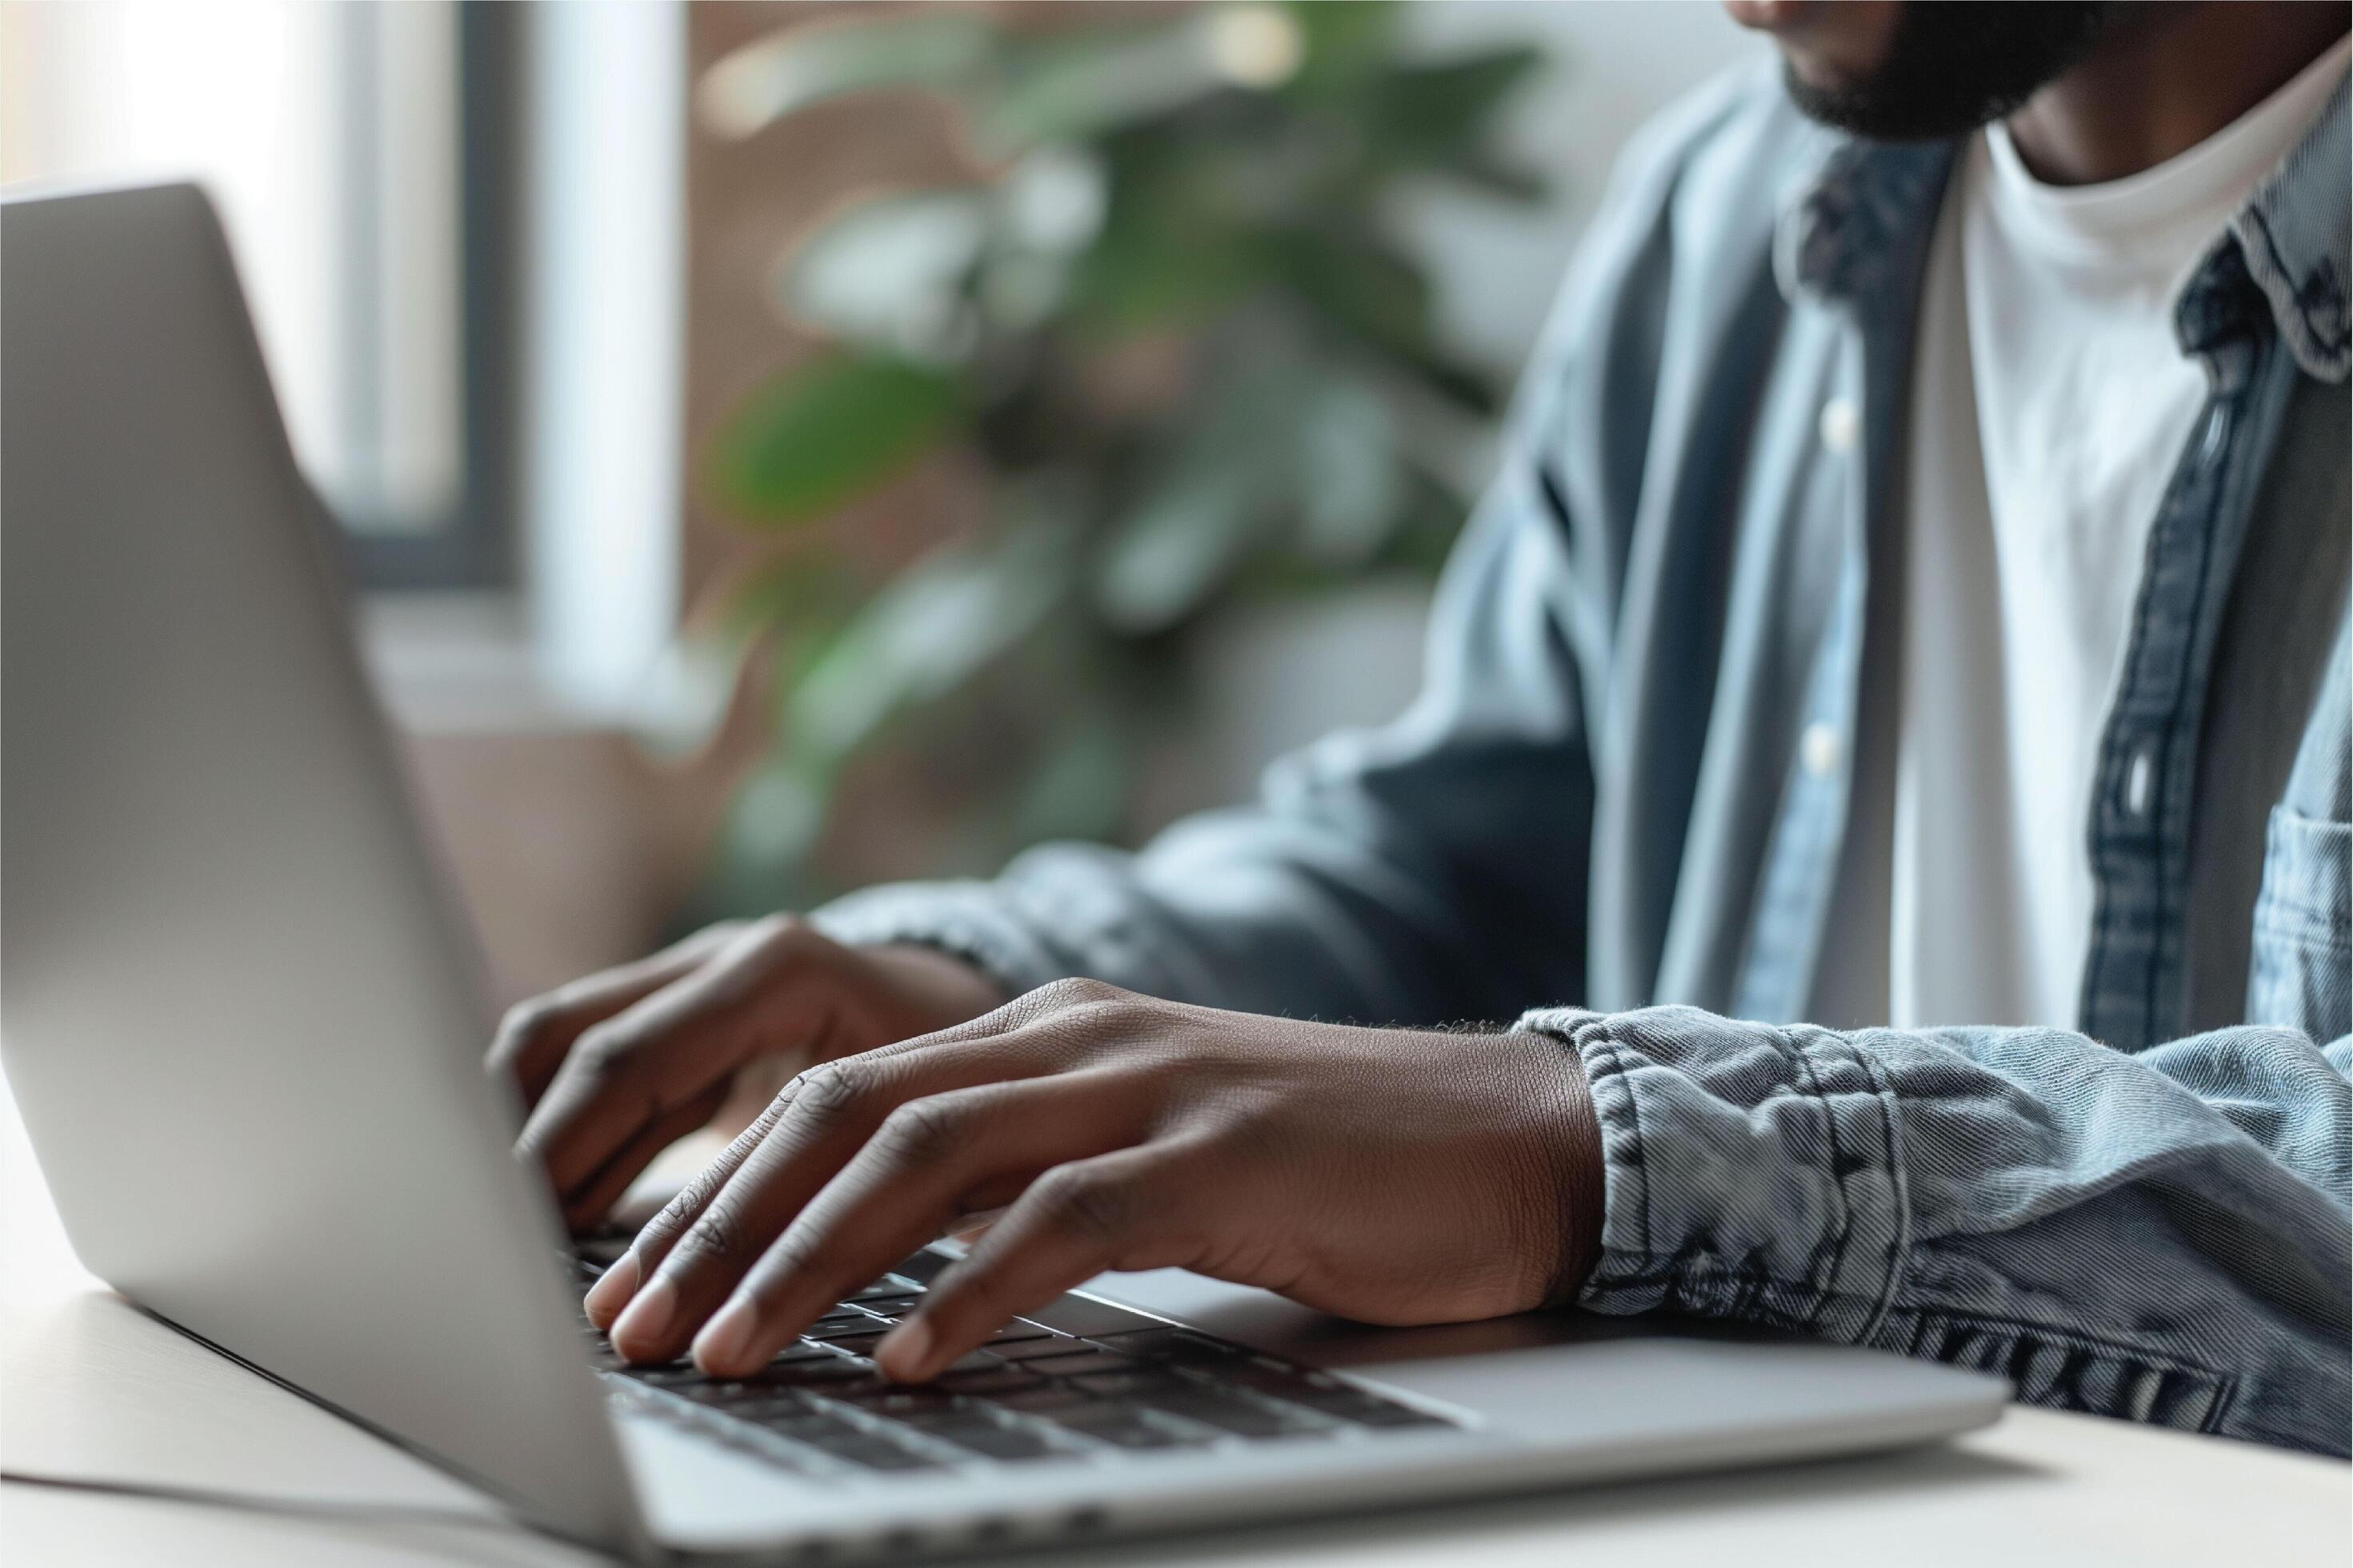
{"points": [[1841, 426], [2218, 427], [2138, 778], [1818, 750]]}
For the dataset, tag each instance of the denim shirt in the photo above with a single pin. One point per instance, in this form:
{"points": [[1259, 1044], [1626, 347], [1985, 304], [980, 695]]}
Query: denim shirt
{"points": [[1616, 810]]}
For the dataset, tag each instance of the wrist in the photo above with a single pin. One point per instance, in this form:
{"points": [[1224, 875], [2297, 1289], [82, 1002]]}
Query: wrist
{"points": [[1588, 1186], [942, 987], [1573, 1136]]}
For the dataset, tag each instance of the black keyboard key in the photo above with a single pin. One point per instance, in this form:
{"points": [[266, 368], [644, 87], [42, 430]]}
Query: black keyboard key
{"points": [[1384, 1414], [834, 1372], [768, 1409], [819, 1431], [603, 1247], [921, 1267], [849, 1307], [891, 1306], [897, 1402], [1085, 1359], [1224, 1412], [999, 1379], [888, 1285], [1121, 1426], [850, 1318], [1271, 1377], [1131, 1385], [875, 1453], [1044, 1399], [1156, 1344], [991, 1440], [1090, 1319], [797, 1352], [1029, 1350], [727, 1393], [663, 1375], [1019, 1329], [857, 1342], [1344, 1402]]}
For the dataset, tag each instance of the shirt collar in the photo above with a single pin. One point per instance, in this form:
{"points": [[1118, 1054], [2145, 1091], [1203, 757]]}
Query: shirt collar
{"points": [[1862, 208], [2292, 241], [1847, 222]]}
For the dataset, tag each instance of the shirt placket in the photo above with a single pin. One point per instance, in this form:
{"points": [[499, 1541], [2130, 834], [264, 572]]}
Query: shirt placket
{"points": [[2142, 800]]}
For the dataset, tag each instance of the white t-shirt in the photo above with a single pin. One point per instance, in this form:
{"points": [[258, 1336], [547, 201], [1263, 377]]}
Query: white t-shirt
{"points": [[2051, 403]]}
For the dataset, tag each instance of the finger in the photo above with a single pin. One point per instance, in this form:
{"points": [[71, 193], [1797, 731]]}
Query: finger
{"points": [[618, 1283], [1075, 1008], [596, 1197], [533, 1036], [1130, 1209], [931, 1159], [935, 1070], [827, 1115], [671, 1047]]}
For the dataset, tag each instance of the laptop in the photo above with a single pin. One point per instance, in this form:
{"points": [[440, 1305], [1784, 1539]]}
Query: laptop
{"points": [[244, 1026]]}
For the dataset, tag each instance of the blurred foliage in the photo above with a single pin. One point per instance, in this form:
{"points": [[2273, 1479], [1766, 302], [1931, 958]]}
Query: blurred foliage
{"points": [[1174, 329]]}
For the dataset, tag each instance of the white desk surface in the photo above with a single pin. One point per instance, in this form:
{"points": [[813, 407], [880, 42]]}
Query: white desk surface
{"points": [[92, 1387]]}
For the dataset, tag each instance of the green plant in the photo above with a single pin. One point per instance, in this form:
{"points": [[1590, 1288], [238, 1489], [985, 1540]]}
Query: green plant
{"points": [[1173, 327]]}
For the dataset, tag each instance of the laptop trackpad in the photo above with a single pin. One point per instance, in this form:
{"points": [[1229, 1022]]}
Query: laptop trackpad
{"points": [[1581, 1377], [1266, 1322]]}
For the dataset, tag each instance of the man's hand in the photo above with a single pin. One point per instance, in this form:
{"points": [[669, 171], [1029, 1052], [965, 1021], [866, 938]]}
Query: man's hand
{"points": [[1390, 1176], [614, 1068]]}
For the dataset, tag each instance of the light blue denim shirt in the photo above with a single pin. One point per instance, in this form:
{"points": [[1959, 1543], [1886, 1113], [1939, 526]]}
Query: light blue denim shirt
{"points": [[1599, 818]]}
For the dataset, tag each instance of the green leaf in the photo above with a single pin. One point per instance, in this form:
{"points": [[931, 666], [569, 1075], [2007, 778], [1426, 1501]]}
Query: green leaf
{"points": [[775, 819], [1168, 554], [1080, 785], [807, 580], [934, 627], [1352, 488], [795, 66], [1379, 300], [1496, 175], [1430, 110], [888, 271], [1147, 273], [1073, 86], [828, 431], [1344, 38], [1230, 483]]}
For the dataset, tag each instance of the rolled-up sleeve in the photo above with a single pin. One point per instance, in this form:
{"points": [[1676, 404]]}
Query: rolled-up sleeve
{"points": [[2160, 1237]]}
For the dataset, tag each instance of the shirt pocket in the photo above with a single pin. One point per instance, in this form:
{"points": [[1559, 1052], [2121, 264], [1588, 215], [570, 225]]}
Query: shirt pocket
{"points": [[2301, 967]]}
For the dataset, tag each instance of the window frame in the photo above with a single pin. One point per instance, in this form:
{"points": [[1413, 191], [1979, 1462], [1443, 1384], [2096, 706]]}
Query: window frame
{"points": [[472, 545]]}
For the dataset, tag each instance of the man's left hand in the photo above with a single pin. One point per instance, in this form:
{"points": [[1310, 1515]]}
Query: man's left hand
{"points": [[1387, 1175]]}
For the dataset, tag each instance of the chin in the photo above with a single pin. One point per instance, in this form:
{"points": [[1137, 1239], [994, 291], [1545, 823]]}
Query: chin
{"points": [[1831, 46]]}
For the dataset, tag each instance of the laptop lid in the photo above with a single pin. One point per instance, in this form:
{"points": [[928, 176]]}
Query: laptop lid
{"points": [[234, 1007]]}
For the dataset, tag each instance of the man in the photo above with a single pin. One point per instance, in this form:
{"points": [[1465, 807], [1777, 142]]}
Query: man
{"points": [[1913, 598]]}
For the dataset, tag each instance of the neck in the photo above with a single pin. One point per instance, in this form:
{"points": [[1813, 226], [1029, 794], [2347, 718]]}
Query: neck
{"points": [[2165, 78]]}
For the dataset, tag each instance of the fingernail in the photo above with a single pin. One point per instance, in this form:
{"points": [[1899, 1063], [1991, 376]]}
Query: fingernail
{"points": [[648, 1318], [726, 1340], [905, 1350], [613, 1289]]}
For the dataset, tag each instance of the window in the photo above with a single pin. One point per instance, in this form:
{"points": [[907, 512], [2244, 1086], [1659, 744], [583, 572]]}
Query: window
{"points": [[362, 157]]}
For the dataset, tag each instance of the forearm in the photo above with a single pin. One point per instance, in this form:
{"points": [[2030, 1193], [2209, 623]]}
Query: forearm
{"points": [[1270, 910], [2159, 1237]]}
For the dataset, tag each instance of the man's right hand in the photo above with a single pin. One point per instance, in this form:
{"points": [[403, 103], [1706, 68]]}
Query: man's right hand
{"points": [[614, 1068]]}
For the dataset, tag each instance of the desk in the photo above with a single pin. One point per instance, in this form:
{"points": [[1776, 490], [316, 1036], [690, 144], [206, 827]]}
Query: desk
{"points": [[93, 1387]]}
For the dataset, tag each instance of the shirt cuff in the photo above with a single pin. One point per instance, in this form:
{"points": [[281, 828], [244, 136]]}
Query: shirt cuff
{"points": [[1750, 1172], [965, 919]]}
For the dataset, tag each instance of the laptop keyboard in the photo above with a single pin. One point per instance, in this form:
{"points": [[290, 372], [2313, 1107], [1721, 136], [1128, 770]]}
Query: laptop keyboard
{"points": [[1079, 1380]]}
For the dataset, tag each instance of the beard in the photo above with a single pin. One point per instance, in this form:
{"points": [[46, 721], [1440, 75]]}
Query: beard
{"points": [[1955, 65]]}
